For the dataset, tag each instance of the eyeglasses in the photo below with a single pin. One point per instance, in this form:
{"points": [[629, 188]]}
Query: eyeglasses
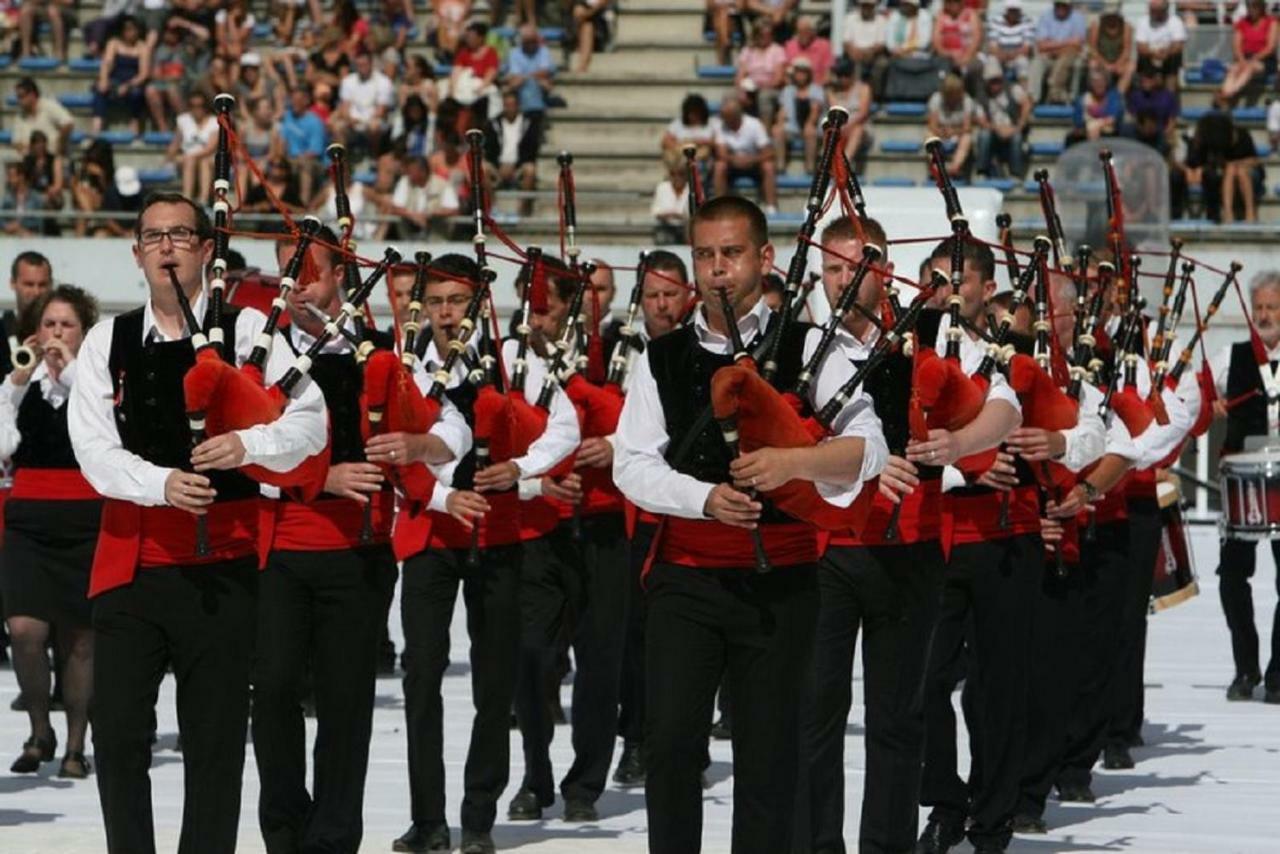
{"points": [[454, 301], [180, 236]]}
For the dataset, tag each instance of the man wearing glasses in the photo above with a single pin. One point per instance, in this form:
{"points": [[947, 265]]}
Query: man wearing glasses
{"points": [[157, 601]]}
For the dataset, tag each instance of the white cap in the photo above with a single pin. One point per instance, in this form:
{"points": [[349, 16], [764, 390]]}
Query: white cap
{"points": [[251, 59], [127, 181]]}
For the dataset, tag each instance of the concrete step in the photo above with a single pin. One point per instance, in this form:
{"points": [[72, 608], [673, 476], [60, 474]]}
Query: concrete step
{"points": [[637, 62]]}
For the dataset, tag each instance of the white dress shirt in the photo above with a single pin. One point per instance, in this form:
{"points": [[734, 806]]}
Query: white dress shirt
{"points": [[1158, 440], [301, 430], [54, 392], [642, 472], [1087, 441]]}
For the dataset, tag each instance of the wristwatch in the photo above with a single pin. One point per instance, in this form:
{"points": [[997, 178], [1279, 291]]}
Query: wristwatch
{"points": [[1091, 492]]}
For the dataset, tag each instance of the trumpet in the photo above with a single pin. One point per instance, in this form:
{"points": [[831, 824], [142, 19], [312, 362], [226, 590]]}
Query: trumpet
{"points": [[25, 358]]}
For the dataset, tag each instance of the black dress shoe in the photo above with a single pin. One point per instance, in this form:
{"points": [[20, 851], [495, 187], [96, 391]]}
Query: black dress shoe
{"points": [[939, 836], [1272, 696], [420, 838], [631, 769], [1136, 740], [990, 847], [477, 842], [1115, 757], [578, 811], [722, 730], [1076, 793], [1029, 824], [1241, 688], [34, 751], [526, 806], [74, 766]]}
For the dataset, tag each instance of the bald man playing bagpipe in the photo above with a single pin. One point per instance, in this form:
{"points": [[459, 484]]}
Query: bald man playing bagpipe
{"points": [[734, 580]]}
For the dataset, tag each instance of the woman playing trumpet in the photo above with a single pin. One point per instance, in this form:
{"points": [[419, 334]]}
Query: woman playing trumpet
{"points": [[52, 525]]}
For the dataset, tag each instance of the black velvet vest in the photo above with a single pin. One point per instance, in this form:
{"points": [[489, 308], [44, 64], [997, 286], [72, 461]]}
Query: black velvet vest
{"points": [[1249, 417], [46, 444]]}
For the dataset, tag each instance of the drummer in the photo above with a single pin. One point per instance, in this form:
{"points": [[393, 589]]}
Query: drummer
{"points": [[1249, 399]]}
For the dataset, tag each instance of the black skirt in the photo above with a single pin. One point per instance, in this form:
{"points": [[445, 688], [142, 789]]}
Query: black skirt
{"points": [[46, 557]]}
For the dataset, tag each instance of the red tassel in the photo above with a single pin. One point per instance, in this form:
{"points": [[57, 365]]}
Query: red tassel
{"points": [[1208, 397], [538, 287]]}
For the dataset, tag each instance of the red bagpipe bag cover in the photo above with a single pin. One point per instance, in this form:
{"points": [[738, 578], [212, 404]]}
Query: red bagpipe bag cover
{"points": [[1044, 406], [389, 388]]}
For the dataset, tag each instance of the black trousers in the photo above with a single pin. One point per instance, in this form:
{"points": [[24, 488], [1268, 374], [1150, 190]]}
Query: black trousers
{"points": [[631, 695], [323, 613], [1127, 698], [201, 619], [761, 627], [987, 594], [491, 594], [1235, 568], [586, 584], [891, 594], [1104, 563]]}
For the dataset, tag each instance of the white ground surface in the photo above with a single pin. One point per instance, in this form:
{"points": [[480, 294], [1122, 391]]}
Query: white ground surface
{"points": [[1209, 779]]}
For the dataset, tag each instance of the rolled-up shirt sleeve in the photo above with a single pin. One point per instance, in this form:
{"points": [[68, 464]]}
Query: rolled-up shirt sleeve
{"points": [[562, 434], [451, 428], [857, 418], [1087, 441], [302, 429], [640, 468]]}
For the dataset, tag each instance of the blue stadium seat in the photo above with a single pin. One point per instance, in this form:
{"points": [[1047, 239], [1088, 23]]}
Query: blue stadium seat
{"points": [[786, 218], [794, 182], [505, 218], [888, 181], [5, 61], [71, 100], [77, 137], [85, 64], [1193, 75], [716, 72], [1053, 111], [6, 137], [1046, 149], [1250, 114], [1004, 185], [158, 175], [900, 146], [1264, 150], [552, 35], [745, 182], [157, 138], [904, 108], [366, 177], [262, 31], [443, 69], [1030, 186], [118, 137], [39, 63], [1213, 71], [1193, 114]]}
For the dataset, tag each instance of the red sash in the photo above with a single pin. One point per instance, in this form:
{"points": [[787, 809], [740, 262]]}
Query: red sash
{"points": [[1111, 507], [326, 524], [976, 518], [599, 495], [133, 536], [1142, 484], [708, 543], [417, 531], [919, 520], [52, 485], [538, 517], [633, 515]]}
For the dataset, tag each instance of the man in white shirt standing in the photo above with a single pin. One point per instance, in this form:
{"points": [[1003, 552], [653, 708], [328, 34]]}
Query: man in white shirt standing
{"points": [[159, 597], [706, 606]]}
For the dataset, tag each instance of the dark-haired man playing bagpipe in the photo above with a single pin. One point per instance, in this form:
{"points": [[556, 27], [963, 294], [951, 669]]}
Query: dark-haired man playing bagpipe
{"points": [[436, 544], [324, 595], [885, 583], [706, 606], [157, 600]]}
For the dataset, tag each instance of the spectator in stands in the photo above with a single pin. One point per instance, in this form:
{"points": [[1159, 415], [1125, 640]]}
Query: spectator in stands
{"points": [[97, 31], [855, 96], [413, 129], [1273, 123], [305, 140], [260, 137], [165, 89], [865, 33], [813, 47], [354, 28], [512, 140], [764, 63], [949, 115], [957, 38], [1222, 160], [1151, 97], [475, 71], [1111, 44], [744, 150], [422, 201], [286, 14], [1060, 37], [256, 81], [449, 161], [194, 143], [200, 18], [670, 205], [1010, 38], [1006, 112], [391, 23], [530, 73], [233, 29], [1099, 111], [803, 105], [694, 126], [94, 184], [913, 71], [773, 289], [36, 112], [281, 184], [420, 80], [122, 76], [362, 204], [61, 17], [720, 16], [19, 203], [365, 97], [47, 174], [450, 19], [591, 31], [1160, 38], [780, 14], [328, 66], [1253, 49]]}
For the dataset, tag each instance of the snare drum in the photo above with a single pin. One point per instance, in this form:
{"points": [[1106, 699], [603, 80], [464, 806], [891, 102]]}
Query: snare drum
{"points": [[1174, 576], [1251, 495]]}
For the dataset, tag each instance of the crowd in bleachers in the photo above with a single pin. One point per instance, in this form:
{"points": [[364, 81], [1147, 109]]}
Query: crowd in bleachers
{"points": [[304, 74], [980, 72]]}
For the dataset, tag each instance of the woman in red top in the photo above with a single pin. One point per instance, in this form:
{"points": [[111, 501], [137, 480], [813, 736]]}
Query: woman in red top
{"points": [[1254, 48], [475, 68], [957, 37]]}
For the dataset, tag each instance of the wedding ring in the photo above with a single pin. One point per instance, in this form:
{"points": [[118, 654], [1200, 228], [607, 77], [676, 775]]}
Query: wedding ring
{"points": [[393, 455]]}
